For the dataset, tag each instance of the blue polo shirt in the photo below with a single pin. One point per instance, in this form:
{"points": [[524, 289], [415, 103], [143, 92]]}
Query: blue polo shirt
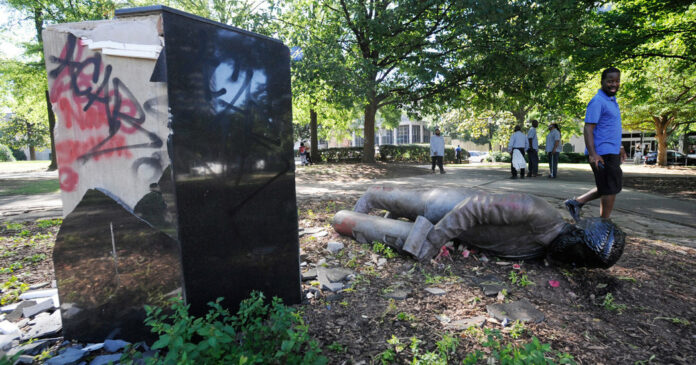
{"points": [[603, 111]]}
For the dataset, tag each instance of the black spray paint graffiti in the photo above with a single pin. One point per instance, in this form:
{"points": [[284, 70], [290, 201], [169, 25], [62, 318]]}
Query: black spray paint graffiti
{"points": [[112, 100]]}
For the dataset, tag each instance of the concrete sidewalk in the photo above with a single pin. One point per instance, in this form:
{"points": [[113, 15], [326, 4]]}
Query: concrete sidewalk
{"points": [[648, 215]]}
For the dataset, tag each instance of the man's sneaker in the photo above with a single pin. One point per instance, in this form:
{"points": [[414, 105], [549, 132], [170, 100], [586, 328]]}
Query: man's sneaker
{"points": [[574, 207]]}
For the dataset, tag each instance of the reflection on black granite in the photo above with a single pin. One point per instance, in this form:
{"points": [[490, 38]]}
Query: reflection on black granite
{"points": [[230, 102], [109, 264], [157, 207]]}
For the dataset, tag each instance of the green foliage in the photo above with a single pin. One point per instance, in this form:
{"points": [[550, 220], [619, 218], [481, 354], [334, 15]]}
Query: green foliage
{"points": [[533, 352], [411, 153], [383, 250], [45, 223], [260, 333], [6, 154], [12, 289], [610, 305], [445, 349], [341, 154], [520, 280], [13, 226], [517, 329]]}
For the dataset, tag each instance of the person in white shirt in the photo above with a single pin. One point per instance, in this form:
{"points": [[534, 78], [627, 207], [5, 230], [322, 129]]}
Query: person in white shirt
{"points": [[518, 142], [437, 150], [533, 150], [553, 149]]}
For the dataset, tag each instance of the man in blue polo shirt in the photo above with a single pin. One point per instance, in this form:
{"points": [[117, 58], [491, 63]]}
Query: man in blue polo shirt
{"points": [[604, 150]]}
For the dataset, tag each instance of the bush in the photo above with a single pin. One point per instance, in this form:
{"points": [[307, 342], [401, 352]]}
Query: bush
{"points": [[260, 333], [341, 154], [500, 157], [568, 148], [6, 154], [412, 153], [19, 155]]}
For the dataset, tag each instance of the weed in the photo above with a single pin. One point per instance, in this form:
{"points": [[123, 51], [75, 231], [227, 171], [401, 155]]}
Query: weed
{"points": [[383, 249], [628, 278], [533, 352], [674, 320], [259, 333], [12, 289], [337, 347], [35, 258], [517, 330], [49, 223], [343, 303], [352, 263], [520, 280], [13, 267], [310, 213], [475, 300], [648, 361], [13, 226], [403, 316], [25, 233], [609, 304]]}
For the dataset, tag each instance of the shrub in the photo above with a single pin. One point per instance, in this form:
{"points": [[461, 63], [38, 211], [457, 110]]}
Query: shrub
{"points": [[341, 154], [6, 154], [412, 153], [568, 148], [500, 157], [260, 333], [19, 155]]}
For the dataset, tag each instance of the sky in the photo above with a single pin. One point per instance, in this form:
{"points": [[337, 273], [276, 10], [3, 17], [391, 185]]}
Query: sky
{"points": [[13, 31]]}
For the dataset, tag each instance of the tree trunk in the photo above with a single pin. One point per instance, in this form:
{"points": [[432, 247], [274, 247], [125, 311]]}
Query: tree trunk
{"points": [[313, 141], [51, 128], [369, 133], [661, 124], [32, 149]]}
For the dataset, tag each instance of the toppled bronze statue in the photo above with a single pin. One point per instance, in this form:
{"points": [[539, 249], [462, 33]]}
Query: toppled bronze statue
{"points": [[509, 225]]}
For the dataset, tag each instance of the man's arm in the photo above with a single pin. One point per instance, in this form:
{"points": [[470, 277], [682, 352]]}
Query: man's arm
{"points": [[588, 133], [622, 153]]}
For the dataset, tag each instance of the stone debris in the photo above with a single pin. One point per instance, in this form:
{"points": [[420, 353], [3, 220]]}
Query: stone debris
{"points": [[436, 291], [310, 274], [71, 355], [106, 359], [463, 324], [115, 345], [521, 310], [334, 246], [17, 313], [8, 328], [44, 326], [490, 284], [41, 306], [399, 294], [45, 293], [320, 234]]}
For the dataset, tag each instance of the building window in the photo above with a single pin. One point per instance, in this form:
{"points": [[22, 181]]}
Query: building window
{"points": [[402, 135], [415, 134], [358, 141], [388, 136], [426, 135]]}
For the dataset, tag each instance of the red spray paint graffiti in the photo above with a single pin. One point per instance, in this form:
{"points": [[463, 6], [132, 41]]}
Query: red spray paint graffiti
{"points": [[87, 97]]}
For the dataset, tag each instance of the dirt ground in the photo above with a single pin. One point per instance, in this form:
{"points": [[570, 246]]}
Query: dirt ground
{"points": [[642, 310]]}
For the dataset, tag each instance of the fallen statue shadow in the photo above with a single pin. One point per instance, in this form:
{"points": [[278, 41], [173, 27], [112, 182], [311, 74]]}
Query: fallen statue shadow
{"points": [[510, 225]]}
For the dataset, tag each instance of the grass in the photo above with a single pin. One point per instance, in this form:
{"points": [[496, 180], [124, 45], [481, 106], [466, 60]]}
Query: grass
{"points": [[24, 187]]}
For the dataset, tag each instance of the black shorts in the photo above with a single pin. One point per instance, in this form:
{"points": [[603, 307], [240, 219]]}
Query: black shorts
{"points": [[609, 177]]}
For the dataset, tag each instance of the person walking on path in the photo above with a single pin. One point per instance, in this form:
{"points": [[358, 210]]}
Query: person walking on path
{"points": [[458, 154], [437, 150], [553, 149], [518, 142], [604, 151], [533, 150]]}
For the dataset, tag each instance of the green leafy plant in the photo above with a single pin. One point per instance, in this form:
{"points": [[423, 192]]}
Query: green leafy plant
{"points": [[12, 289], [517, 330], [13, 226], [337, 347], [610, 305], [520, 280], [35, 258], [533, 352], [383, 250], [675, 320], [49, 223], [259, 333], [403, 316], [25, 233]]}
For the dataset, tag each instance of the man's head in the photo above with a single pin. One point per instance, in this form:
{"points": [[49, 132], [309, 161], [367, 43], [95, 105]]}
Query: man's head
{"points": [[437, 131], [611, 81], [518, 128], [593, 242], [535, 123]]}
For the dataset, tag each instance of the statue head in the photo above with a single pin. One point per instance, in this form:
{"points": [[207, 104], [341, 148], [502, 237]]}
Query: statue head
{"points": [[593, 242]]}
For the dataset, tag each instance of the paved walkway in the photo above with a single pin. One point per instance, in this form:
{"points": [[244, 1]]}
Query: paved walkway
{"points": [[648, 215]]}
